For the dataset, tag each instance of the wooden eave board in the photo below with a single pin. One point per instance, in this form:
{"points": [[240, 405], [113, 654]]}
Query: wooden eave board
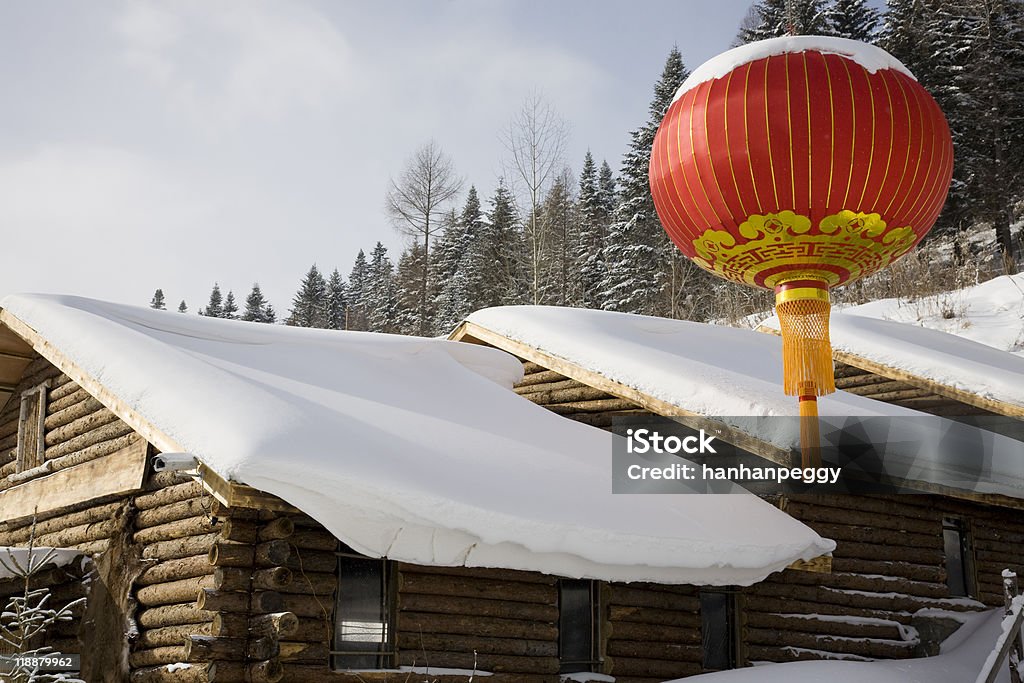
{"points": [[120, 472], [473, 333], [938, 388]]}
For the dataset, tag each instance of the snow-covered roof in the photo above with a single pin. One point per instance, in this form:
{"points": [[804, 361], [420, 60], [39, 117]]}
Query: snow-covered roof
{"points": [[870, 57], [735, 376], [963, 340], [409, 448]]}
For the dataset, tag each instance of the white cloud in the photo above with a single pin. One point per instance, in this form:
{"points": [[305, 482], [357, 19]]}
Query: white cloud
{"points": [[226, 62]]}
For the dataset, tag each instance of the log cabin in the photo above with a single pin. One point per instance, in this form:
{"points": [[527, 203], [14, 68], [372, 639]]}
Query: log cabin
{"points": [[346, 506]]}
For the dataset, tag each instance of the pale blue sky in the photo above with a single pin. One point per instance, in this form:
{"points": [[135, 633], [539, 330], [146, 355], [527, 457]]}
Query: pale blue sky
{"points": [[169, 144]]}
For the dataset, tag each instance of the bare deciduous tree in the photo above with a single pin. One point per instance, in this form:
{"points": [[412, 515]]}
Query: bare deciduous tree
{"points": [[417, 200], [535, 139]]}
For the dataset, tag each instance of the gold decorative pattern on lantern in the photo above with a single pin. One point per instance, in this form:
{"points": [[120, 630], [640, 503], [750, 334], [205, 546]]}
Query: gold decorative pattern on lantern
{"points": [[782, 246]]}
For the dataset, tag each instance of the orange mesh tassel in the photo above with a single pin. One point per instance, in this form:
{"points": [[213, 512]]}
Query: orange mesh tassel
{"points": [[806, 351]]}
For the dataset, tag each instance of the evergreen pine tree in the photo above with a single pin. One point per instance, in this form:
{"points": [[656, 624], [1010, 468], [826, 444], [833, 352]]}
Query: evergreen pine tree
{"points": [[559, 280], [408, 283], [592, 219], [357, 282], [337, 298], [257, 309], [380, 301], [776, 18], [309, 307], [636, 245], [157, 301], [230, 307], [853, 19], [182, 307], [606, 191], [458, 274], [499, 255], [215, 307]]}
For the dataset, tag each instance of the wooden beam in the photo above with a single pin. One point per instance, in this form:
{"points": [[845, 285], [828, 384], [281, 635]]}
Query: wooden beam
{"points": [[121, 472], [234, 494], [821, 564], [476, 334]]}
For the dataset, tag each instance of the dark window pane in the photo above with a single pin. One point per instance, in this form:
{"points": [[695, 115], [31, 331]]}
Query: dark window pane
{"points": [[716, 630], [361, 629], [957, 571], [576, 608]]}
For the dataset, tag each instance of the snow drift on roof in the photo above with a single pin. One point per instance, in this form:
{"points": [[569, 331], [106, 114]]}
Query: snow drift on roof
{"points": [[735, 376], [407, 447], [987, 315], [870, 57]]}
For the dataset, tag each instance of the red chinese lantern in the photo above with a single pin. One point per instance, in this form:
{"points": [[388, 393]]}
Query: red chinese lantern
{"points": [[799, 164]]}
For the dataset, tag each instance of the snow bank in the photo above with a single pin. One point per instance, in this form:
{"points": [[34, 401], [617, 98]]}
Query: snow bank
{"points": [[14, 562], [408, 448], [955, 665], [870, 57], [967, 352]]}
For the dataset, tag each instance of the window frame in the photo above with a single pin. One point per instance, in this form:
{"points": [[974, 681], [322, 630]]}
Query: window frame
{"points": [[34, 399], [387, 655], [595, 663]]}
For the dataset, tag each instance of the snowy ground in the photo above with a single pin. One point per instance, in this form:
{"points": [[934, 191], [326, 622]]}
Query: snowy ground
{"points": [[991, 313], [963, 656]]}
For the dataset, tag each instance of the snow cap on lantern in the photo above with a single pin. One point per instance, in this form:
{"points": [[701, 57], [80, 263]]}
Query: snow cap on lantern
{"points": [[798, 164]]}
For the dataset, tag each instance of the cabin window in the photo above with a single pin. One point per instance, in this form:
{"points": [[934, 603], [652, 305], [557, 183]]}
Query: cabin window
{"points": [[31, 428], [364, 633], [958, 557], [579, 623], [718, 631]]}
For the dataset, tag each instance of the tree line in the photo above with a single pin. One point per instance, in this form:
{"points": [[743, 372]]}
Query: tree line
{"points": [[548, 235]]}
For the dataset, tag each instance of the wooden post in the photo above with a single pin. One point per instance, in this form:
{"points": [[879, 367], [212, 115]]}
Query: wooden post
{"points": [[1011, 591]]}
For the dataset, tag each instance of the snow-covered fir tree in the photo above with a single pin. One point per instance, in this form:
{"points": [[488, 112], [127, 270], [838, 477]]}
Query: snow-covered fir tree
{"points": [[775, 18], [309, 307], [230, 307], [215, 306], [157, 301], [380, 300], [355, 309], [182, 307], [637, 247], [337, 301], [457, 274], [257, 308], [853, 19], [592, 224], [559, 277], [408, 284], [499, 255]]}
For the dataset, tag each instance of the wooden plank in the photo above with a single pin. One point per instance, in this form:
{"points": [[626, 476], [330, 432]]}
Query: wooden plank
{"points": [[473, 333], [234, 494], [117, 473], [822, 564]]}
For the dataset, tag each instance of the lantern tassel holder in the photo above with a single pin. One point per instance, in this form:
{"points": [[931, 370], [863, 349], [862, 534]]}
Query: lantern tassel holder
{"points": [[803, 310]]}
